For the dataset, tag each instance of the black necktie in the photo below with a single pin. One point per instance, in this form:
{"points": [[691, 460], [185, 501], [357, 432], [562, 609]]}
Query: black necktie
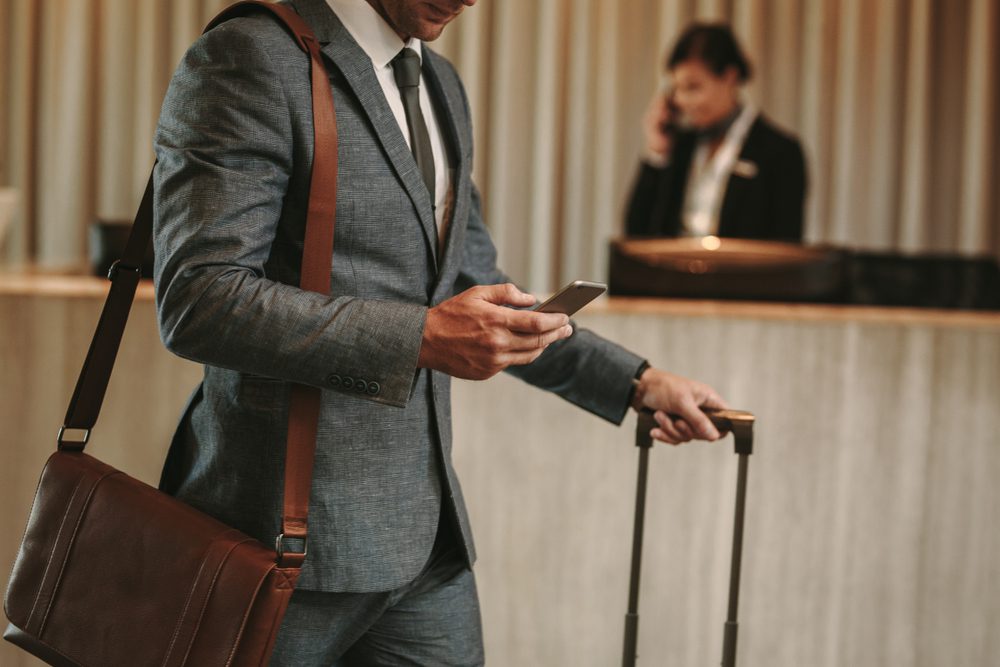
{"points": [[406, 69]]}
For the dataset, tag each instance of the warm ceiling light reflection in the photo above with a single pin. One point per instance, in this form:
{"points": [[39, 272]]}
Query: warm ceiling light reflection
{"points": [[711, 242]]}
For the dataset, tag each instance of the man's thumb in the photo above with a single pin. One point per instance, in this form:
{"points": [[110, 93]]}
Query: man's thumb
{"points": [[507, 294]]}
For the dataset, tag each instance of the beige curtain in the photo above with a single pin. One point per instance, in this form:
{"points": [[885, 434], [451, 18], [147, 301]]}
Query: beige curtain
{"points": [[81, 83], [895, 102]]}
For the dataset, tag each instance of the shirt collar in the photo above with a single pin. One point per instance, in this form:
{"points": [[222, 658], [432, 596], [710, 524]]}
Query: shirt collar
{"points": [[371, 32]]}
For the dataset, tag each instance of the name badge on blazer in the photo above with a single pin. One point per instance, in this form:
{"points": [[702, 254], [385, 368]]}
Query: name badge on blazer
{"points": [[745, 168]]}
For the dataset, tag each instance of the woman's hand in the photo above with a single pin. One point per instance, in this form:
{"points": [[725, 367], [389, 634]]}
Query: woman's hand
{"points": [[657, 117]]}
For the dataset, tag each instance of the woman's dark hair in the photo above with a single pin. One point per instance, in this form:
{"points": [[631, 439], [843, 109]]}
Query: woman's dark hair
{"points": [[715, 45]]}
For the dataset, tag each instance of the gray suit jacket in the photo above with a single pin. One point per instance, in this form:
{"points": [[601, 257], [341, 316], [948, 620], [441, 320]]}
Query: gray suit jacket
{"points": [[234, 149]]}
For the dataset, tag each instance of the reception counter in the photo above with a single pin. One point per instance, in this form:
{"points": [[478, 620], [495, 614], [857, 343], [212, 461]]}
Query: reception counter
{"points": [[872, 534]]}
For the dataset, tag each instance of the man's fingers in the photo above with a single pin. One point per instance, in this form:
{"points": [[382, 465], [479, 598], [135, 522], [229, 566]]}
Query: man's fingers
{"points": [[713, 400], [667, 431], [521, 358], [538, 342], [528, 342], [685, 430], [522, 321], [659, 434], [698, 421], [530, 322], [506, 294]]}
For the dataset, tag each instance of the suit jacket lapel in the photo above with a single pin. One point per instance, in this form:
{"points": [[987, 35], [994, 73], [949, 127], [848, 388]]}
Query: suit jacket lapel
{"points": [[355, 65], [449, 110], [734, 214]]}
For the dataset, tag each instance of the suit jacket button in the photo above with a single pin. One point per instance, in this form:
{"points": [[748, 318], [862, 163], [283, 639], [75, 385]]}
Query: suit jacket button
{"points": [[348, 382], [374, 388], [359, 385], [333, 380]]}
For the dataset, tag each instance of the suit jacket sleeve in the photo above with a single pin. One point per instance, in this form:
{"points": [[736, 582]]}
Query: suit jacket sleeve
{"points": [[790, 193], [225, 148], [585, 369], [639, 216]]}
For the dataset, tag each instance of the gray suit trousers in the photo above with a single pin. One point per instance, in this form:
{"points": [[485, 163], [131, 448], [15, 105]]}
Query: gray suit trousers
{"points": [[432, 620]]}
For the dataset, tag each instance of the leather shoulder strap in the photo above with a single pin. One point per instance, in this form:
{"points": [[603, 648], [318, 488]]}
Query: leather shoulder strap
{"points": [[317, 258]]}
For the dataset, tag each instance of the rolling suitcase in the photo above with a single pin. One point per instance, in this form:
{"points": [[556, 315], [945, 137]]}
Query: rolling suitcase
{"points": [[740, 423]]}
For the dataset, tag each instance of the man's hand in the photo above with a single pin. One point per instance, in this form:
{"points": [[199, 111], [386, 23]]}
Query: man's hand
{"points": [[474, 335], [677, 402]]}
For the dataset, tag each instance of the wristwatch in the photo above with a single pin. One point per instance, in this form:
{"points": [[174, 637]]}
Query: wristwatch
{"points": [[634, 397]]}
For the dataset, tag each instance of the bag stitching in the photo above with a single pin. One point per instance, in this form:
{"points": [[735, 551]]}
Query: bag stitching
{"points": [[180, 619], [279, 615], [72, 540], [24, 533], [208, 597], [246, 616], [52, 555]]}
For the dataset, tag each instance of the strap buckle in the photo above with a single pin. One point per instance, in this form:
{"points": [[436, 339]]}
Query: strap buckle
{"points": [[279, 546], [67, 438], [117, 265]]}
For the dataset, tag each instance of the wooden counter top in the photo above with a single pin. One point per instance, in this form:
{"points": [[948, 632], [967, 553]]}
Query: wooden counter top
{"points": [[68, 286], [56, 285], [802, 312]]}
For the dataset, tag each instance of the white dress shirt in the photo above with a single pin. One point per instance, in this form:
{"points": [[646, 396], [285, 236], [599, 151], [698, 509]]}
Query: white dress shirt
{"points": [[381, 43], [708, 177]]}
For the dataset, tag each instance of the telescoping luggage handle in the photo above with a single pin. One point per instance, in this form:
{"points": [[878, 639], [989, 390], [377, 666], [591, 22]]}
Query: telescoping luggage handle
{"points": [[740, 423], [317, 258]]}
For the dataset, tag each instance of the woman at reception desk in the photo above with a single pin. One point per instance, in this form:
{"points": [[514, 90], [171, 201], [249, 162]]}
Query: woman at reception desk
{"points": [[713, 165]]}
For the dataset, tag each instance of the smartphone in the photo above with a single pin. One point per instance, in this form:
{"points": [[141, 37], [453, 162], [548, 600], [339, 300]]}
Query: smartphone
{"points": [[674, 121], [572, 297]]}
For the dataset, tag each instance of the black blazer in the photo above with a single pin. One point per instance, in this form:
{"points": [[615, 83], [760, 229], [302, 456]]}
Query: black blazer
{"points": [[767, 206]]}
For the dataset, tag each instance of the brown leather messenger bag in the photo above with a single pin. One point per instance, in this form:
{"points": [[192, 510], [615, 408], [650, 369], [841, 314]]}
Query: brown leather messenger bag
{"points": [[112, 572]]}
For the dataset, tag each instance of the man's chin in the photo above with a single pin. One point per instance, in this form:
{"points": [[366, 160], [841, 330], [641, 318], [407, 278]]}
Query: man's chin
{"points": [[428, 31]]}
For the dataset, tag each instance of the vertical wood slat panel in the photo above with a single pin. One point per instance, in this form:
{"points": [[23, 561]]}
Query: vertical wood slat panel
{"points": [[784, 33], [6, 71], [468, 45], [21, 125], [750, 28], [603, 165], [150, 83], [117, 143], [980, 117], [916, 149], [847, 129], [673, 17], [65, 205], [501, 130], [579, 132], [545, 146], [853, 197], [886, 92], [814, 35]]}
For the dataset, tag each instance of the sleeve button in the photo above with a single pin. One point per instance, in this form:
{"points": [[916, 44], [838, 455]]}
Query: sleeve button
{"points": [[359, 385], [348, 382], [333, 380], [374, 388]]}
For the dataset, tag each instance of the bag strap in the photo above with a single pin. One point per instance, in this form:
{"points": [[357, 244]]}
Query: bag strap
{"points": [[317, 259]]}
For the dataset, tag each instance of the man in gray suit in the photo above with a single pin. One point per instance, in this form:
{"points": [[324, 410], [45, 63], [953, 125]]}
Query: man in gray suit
{"points": [[416, 298]]}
